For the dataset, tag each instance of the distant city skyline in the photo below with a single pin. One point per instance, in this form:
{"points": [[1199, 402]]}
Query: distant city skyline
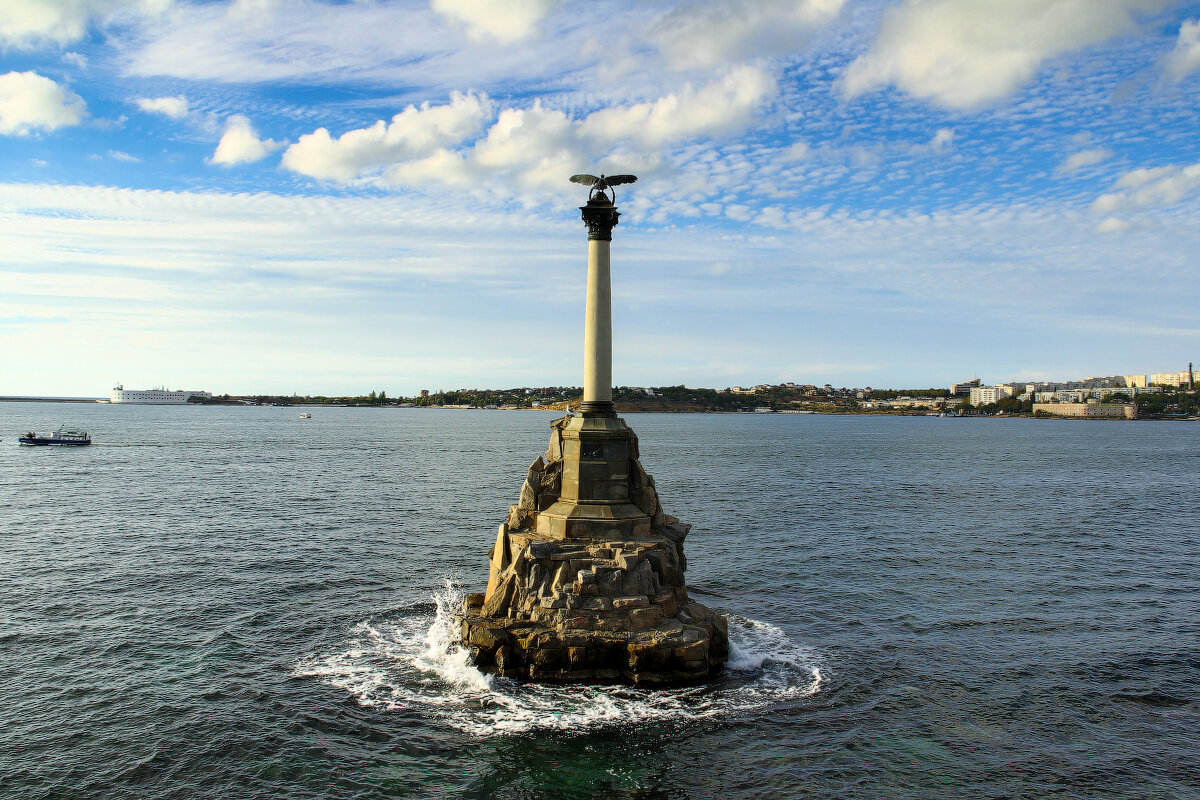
{"points": [[329, 198]]}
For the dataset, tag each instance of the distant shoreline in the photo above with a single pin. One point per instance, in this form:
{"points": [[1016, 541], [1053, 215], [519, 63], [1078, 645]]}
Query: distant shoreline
{"points": [[559, 408], [53, 400]]}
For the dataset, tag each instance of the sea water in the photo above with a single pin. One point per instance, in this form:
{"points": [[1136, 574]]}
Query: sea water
{"points": [[234, 602]]}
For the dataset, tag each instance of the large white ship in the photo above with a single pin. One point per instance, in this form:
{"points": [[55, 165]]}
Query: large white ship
{"points": [[159, 397]]}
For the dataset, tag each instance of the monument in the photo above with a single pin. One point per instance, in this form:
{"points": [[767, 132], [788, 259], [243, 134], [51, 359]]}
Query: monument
{"points": [[586, 579]]}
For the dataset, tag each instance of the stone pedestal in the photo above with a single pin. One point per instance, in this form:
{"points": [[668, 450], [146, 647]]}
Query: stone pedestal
{"points": [[586, 582]]}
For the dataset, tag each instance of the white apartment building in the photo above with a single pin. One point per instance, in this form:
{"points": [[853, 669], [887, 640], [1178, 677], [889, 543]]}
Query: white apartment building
{"points": [[982, 395], [1170, 378]]}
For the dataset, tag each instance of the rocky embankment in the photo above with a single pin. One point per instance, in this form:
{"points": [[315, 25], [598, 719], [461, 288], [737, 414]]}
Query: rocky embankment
{"points": [[595, 610]]}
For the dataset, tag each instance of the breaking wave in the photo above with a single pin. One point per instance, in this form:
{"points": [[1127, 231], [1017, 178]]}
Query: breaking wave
{"points": [[412, 660]]}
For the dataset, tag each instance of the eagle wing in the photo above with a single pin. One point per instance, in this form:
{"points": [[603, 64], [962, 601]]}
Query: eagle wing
{"points": [[617, 180], [586, 180]]}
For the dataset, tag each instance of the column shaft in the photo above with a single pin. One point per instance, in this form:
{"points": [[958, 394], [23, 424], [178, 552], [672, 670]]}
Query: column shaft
{"points": [[597, 335]]}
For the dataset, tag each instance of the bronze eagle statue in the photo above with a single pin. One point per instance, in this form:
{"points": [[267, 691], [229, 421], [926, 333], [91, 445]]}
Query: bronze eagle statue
{"points": [[602, 183]]}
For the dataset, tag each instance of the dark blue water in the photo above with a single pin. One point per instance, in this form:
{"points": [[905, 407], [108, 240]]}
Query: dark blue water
{"points": [[236, 603]]}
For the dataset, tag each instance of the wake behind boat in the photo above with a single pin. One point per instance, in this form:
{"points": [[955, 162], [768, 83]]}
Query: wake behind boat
{"points": [[60, 436]]}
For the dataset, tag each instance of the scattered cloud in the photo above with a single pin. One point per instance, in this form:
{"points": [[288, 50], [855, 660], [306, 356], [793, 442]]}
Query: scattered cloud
{"points": [[963, 54], [797, 151], [414, 132], [120, 156], [77, 59], [1185, 58], [1112, 225], [31, 102], [941, 142], [724, 106], [29, 23], [504, 21], [1084, 158], [533, 148], [1150, 188], [705, 34], [240, 144], [174, 107]]}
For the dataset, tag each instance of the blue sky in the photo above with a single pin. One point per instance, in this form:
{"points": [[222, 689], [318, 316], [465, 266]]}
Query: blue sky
{"points": [[334, 197]]}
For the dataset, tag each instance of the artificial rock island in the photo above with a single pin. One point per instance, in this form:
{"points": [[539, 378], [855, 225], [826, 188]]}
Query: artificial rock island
{"points": [[586, 580]]}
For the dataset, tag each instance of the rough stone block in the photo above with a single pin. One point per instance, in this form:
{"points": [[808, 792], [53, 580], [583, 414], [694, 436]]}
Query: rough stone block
{"points": [[630, 601], [528, 499], [486, 636], [611, 624], [693, 651], [610, 582], [666, 601], [641, 619]]}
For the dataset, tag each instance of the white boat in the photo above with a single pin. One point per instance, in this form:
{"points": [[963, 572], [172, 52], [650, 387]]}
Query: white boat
{"points": [[306, 415]]}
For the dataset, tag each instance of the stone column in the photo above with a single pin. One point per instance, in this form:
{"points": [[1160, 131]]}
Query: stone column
{"points": [[600, 215]]}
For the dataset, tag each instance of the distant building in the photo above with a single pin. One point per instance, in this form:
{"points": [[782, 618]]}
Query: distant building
{"points": [[160, 396], [424, 393], [1088, 410], [1176, 380], [964, 389], [983, 395], [1135, 381]]}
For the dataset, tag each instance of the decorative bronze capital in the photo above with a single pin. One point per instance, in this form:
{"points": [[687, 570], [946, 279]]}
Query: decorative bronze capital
{"points": [[600, 216]]}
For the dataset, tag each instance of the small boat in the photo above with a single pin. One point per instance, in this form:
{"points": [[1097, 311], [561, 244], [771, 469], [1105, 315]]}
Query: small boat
{"points": [[60, 436], [306, 415]]}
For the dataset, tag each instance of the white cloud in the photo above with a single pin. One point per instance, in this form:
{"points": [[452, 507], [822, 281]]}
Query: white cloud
{"points": [[1112, 225], [533, 148], [703, 34], [25, 23], [1084, 158], [118, 155], [31, 102], [505, 21], [1185, 58], [1150, 188], [721, 107], [526, 150], [240, 144], [414, 132], [968, 53], [797, 151], [382, 42], [174, 107]]}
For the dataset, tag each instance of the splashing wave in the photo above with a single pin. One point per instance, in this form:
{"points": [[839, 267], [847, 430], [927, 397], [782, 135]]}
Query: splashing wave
{"points": [[410, 660]]}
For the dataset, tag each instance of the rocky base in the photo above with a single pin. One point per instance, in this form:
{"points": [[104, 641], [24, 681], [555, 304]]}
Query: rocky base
{"points": [[586, 577], [611, 612]]}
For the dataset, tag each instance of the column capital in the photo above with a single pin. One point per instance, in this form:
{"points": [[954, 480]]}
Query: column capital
{"points": [[600, 215]]}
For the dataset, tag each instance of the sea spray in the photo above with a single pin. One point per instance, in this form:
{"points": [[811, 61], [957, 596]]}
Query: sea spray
{"points": [[410, 660]]}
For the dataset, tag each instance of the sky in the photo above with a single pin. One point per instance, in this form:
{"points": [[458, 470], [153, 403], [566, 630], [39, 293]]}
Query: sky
{"points": [[319, 197]]}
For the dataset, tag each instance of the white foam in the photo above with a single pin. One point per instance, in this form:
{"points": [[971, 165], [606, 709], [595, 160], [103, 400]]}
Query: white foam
{"points": [[414, 661]]}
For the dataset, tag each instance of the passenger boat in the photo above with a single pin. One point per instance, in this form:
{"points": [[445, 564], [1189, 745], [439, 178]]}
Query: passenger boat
{"points": [[60, 436], [306, 415]]}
